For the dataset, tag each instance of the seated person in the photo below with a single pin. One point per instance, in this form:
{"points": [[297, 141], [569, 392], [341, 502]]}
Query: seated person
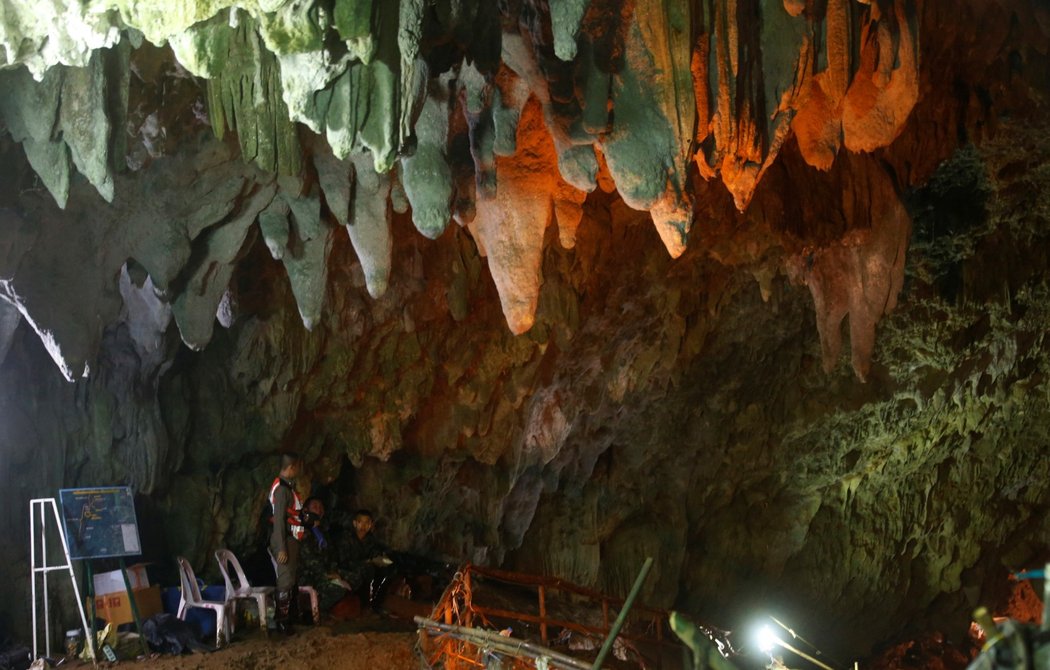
{"points": [[363, 561], [317, 561]]}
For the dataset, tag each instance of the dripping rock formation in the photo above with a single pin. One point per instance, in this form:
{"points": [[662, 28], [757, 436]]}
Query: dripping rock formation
{"points": [[553, 285]]}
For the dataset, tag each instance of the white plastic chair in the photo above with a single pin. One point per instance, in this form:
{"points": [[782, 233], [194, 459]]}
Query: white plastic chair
{"points": [[243, 590], [315, 609], [191, 597]]}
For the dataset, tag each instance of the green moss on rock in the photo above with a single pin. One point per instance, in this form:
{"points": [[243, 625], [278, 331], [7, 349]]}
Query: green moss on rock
{"points": [[244, 89]]}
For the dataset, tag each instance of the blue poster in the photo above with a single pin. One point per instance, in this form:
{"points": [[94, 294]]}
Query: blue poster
{"points": [[100, 522]]}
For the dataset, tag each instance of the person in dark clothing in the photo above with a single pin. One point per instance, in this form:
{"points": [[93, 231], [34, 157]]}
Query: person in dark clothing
{"points": [[285, 537], [317, 561], [363, 560]]}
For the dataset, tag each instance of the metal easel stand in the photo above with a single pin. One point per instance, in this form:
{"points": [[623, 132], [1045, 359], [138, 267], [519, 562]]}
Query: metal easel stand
{"points": [[39, 506]]}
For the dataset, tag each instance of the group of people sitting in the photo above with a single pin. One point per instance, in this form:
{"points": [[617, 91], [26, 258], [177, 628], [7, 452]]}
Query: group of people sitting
{"points": [[356, 563], [352, 563]]}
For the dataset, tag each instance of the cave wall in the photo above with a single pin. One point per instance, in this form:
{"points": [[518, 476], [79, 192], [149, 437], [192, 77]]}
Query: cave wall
{"points": [[680, 416], [698, 409]]}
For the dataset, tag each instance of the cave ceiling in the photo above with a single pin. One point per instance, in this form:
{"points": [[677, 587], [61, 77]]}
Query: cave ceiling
{"points": [[500, 118], [565, 282]]}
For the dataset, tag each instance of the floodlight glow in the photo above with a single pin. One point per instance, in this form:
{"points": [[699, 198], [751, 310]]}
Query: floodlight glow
{"points": [[766, 639]]}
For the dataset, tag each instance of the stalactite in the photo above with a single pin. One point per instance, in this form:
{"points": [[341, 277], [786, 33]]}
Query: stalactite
{"points": [[84, 125], [353, 20], [30, 112], [566, 16], [306, 259], [413, 74], [273, 224], [862, 273], [244, 90], [510, 224], [477, 110], [886, 86], [425, 174], [647, 151], [380, 110], [207, 280], [627, 99], [818, 123], [369, 226]]}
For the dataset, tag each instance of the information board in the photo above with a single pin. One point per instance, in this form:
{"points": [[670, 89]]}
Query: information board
{"points": [[100, 522]]}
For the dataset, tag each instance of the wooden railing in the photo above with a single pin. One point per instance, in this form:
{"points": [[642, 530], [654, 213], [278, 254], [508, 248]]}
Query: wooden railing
{"points": [[459, 607]]}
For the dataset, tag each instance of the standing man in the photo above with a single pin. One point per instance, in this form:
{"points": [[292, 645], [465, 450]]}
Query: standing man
{"points": [[287, 532]]}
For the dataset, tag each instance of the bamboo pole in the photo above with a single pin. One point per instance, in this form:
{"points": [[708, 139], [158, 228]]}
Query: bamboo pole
{"points": [[507, 645], [621, 618], [561, 623], [1046, 599], [543, 615], [552, 583]]}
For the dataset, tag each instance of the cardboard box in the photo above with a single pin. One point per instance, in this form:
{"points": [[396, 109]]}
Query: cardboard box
{"points": [[115, 608], [113, 582]]}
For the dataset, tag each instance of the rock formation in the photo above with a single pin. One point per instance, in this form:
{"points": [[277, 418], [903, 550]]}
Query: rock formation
{"points": [[571, 322], [645, 90]]}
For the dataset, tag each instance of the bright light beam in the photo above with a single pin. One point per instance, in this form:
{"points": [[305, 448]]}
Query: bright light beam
{"points": [[801, 639], [767, 639]]}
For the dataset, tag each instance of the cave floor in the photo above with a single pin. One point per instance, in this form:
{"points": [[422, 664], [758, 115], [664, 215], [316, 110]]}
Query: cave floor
{"points": [[364, 644]]}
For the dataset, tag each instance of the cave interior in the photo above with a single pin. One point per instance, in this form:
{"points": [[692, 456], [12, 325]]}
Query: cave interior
{"points": [[757, 288]]}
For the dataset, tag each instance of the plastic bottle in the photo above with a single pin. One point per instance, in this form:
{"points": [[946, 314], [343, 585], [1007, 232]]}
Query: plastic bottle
{"points": [[73, 639]]}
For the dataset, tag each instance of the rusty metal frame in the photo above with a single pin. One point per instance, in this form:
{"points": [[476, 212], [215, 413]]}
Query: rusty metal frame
{"points": [[457, 608]]}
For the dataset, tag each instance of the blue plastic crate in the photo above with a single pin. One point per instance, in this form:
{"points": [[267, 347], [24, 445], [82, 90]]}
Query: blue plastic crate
{"points": [[202, 620]]}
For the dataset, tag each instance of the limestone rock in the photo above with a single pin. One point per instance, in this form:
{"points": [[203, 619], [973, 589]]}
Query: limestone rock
{"points": [[353, 20], [861, 274], [818, 123], [576, 161], [291, 27], [510, 226], [369, 225], [198, 192], [307, 267], [10, 317], [655, 406], [379, 108], [273, 223], [565, 20], [426, 175], [42, 35], [654, 93], [336, 180], [244, 89], [477, 112], [306, 80], [752, 111], [344, 112], [71, 114], [146, 315], [886, 86], [413, 72], [208, 279], [306, 259], [85, 126], [64, 289]]}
